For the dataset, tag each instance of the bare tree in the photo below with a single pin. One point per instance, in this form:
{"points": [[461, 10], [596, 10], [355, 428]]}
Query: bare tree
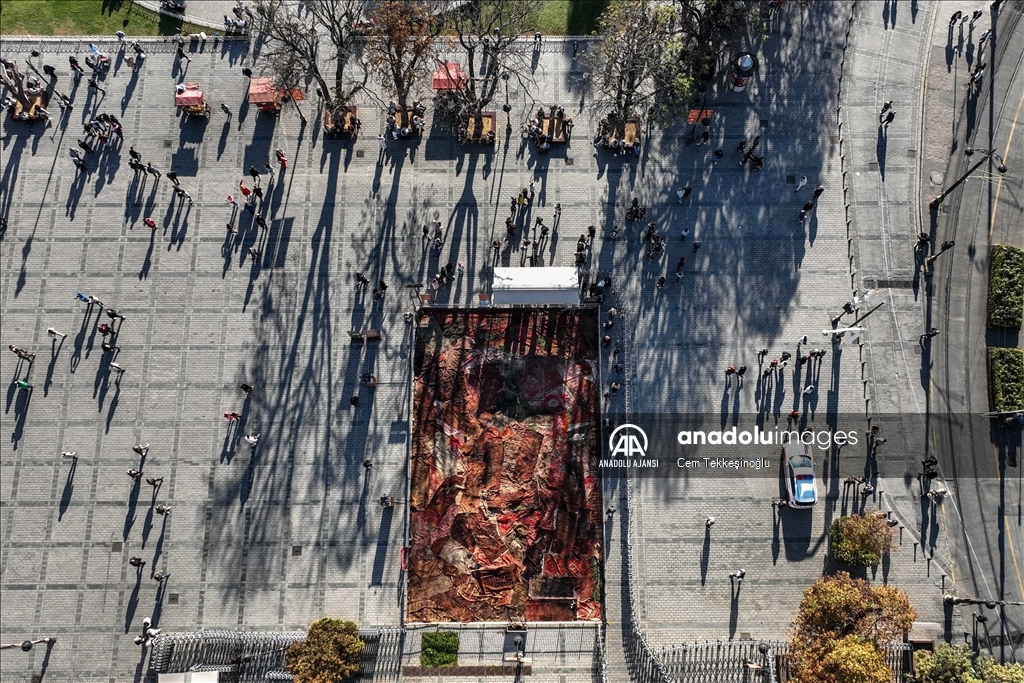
{"points": [[294, 39], [635, 64], [401, 47], [488, 34], [15, 82]]}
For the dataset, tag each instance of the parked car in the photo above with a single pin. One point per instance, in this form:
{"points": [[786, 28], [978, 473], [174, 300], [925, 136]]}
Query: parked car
{"points": [[800, 485]]}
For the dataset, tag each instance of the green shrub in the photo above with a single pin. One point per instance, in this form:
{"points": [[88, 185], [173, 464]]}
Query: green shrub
{"points": [[1006, 371], [440, 648], [860, 541], [1006, 287]]}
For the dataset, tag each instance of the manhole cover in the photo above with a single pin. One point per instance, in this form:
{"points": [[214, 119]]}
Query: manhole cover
{"points": [[911, 153], [569, 162], [791, 180], [296, 550], [167, 143], [360, 153], [872, 165], [116, 546], [172, 599]]}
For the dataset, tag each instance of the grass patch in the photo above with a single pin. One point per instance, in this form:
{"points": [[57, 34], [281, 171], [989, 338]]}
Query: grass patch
{"points": [[569, 17], [440, 648], [86, 18], [1006, 374], [1006, 287]]}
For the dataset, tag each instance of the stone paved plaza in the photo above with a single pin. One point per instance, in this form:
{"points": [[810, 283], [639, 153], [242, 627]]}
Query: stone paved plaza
{"points": [[272, 536]]}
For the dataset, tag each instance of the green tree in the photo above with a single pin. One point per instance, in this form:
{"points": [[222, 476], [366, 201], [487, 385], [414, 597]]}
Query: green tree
{"points": [[401, 48], [861, 540], [635, 63], [957, 664], [329, 654]]}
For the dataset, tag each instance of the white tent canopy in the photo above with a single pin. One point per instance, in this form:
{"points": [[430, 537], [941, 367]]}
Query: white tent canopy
{"points": [[535, 286]]}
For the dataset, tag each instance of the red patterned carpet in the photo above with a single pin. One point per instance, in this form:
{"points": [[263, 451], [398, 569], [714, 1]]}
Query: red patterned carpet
{"points": [[506, 499]]}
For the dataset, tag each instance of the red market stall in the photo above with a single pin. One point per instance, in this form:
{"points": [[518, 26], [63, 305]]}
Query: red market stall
{"points": [[190, 99], [449, 76], [264, 95]]}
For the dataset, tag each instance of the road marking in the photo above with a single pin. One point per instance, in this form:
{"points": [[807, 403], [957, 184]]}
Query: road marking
{"points": [[1007, 527], [999, 186]]}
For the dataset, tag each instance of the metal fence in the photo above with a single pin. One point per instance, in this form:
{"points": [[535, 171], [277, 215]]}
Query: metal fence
{"points": [[253, 656]]}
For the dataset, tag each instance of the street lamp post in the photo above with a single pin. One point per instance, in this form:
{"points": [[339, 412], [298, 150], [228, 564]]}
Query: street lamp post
{"points": [[986, 155], [946, 246], [507, 108], [26, 645]]}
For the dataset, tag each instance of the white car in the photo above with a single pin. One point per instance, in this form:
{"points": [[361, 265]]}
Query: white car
{"points": [[800, 485]]}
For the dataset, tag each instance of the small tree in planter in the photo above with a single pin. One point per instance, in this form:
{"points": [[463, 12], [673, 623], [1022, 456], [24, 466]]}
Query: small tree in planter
{"points": [[861, 541], [329, 654], [440, 648]]}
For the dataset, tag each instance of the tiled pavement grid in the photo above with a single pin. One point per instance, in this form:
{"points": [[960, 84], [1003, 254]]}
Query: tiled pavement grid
{"points": [[268, 538]]}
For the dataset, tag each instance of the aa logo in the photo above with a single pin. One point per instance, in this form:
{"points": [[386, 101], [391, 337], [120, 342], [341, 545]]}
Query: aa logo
{"points": [[628, 441]]}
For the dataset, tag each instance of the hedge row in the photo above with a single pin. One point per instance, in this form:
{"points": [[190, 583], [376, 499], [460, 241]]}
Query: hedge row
{"points": [[1006, 287], [440, 648], [1006, 370]]}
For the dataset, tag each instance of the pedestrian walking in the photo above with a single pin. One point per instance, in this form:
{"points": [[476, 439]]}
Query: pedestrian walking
{"points": [[255, 175], [75, 67], [888, 118], [696, 246], [114, 315], [281, 160], [244, 190], [69, 454], [230, 199], [96, 86], [133, 154], [976, 78], [149, 222], [134, 474], [719, 153], [704, 137], [809, 390], [742, 370], [232, 416], [173, 177], [110, 349], [930, 334], [354, 401], [955, 18], [160, 576], [575, 49], [730, 371], [152, 171], [185, 195], [163, 510], [117, 368], [885, 107], [246, 388], [54, 334], [137, 561], [802, 216], [182, 55], [155, 483], [226, 109], [661, 282], [803, 181], [141, 450], [742, 147], [983, 39], [251, 439], [817, 191]]}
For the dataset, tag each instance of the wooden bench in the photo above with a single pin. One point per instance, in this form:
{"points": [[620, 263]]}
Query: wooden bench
{"points": [[397, 117], [488, 125], [339, 131], [555, 128], [36, 101]]}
